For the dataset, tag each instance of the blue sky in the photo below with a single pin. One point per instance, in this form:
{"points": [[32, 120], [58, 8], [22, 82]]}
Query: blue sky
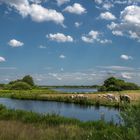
{"points": [[68, 42]]}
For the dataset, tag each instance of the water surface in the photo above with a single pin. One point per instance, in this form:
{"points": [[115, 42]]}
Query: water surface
{"points": [[76, 90], [83, 113]]}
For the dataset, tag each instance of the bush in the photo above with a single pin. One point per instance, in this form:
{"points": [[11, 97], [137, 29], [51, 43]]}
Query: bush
{"points": [[114, 84], [13, 82], [2, 86], [20, 86], [130, 86]]}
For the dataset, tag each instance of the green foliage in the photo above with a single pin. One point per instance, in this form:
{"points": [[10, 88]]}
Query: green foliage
{"points": [[114, 84], [28, 79], [19, 86], [131, 118], [2, 86], [15, 81], [91, 130]]}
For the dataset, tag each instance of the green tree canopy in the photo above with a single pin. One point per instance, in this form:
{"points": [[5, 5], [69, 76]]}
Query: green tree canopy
{"points": [[114, 84], [28, 79]]}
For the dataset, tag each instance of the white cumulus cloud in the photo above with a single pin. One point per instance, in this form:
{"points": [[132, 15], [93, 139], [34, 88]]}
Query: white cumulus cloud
{"points": [[99, 1], [131, 14], [62, 56], [112, 26], [61, 2], [15, 43], [108, 5], [107, 16], [105, 41], [126, 57], [117, 33], [40, 14], [22, 6], [76, 8], [93, 36], [77, 24], [129, 24], [36, 11], [2, 59], [60, 37]]}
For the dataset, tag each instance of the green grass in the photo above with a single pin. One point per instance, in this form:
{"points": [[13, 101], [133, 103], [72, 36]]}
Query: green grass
{"points": [[66, 99], [22, 125], [40, 94]]}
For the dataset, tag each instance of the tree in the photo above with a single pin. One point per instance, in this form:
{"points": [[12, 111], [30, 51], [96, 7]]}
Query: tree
{"points": [[113, 81], [114, 84], [28, 79]]}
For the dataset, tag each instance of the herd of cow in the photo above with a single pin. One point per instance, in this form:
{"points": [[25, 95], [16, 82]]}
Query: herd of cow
{"points": [[112, 97], [109, 97]]}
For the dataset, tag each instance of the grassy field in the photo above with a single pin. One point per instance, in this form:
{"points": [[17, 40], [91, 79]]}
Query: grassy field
{"points": [[50, 95], [22, 125], [16, 130]]}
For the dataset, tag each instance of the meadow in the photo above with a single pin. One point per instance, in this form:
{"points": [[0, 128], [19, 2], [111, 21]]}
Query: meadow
{"points": [[51, 95], [22, 125]]}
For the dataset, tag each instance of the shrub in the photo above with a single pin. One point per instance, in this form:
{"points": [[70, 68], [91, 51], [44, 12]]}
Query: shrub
{"points": [[20, 86], [2, 86]]}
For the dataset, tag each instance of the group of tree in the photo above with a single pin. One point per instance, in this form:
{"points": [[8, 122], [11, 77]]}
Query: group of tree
{"points": [[114, 84], [26, 83]]}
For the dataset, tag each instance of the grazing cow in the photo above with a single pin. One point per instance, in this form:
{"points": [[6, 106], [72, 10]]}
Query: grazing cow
{"points": [[99, 96], [79, 96], [125, 98], [110, 97], [104, 96], [72, 96], [116, 99]]}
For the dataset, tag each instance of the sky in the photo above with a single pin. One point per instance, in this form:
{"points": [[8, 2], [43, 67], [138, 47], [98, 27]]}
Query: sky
{"points": [[70, 42]]}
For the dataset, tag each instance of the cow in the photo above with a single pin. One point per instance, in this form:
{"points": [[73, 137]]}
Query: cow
{"points": [[78, 96], [125, 98]]}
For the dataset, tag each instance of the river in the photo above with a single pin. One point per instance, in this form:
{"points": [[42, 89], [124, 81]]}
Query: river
{"points": [[70, 110]]}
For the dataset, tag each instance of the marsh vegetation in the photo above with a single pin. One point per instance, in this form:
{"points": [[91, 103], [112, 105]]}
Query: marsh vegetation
{"points": [[18, 125]]}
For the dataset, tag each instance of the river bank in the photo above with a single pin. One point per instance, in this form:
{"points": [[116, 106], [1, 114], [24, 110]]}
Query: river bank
{"points": [[18, 125], [51, 95]]}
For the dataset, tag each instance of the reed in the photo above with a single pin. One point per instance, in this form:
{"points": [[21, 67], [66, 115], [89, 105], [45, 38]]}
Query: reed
{"points": [[22, 125]]}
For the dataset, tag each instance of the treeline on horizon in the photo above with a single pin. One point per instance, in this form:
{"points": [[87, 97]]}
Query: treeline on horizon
{"points": [[110, 84]]}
